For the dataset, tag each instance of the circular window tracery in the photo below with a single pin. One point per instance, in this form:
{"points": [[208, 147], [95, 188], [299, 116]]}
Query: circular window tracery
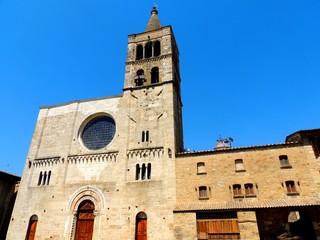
{"points": [[98, 132]]}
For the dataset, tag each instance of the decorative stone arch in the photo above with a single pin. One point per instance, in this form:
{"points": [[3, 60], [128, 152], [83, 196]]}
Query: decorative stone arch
{"points": [[92, 194], [87, 193]]}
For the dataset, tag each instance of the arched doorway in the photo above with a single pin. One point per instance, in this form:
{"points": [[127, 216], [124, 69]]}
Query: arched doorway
{"points": [[32, 227], [141, 226], [85, 220]]}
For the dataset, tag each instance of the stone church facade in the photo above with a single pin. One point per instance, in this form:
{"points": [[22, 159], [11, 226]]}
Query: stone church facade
{"points": [[115, 167]]}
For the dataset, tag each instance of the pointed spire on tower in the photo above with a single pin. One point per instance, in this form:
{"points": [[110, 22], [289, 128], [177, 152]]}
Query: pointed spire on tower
{"points": [[154, 22]]}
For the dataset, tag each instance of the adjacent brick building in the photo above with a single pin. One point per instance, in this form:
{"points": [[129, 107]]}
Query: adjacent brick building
{"points": [[257, 192], [115, 167], [8, 191]]}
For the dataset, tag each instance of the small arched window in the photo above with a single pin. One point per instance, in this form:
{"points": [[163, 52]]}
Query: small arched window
{"points": [[140, 73], [157, 48], [140, 78], [32, 227], [148, 50], [139, 52], [155, 75]]}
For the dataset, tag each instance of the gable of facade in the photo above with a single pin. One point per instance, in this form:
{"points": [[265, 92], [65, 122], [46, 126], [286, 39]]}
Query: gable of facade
{"points": [[104, 168]]}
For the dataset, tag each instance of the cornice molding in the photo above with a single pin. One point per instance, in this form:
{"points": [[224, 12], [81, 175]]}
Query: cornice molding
{"points": [[146, 60], [89, 158], [39, 162], [145, 152]]}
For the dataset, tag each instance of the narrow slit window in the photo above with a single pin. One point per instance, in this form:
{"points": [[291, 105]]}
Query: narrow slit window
{"points": [[143, 136], [143, 172], [44, 178], [149, 171], [49, 176], [137, 172], [40, 179]]}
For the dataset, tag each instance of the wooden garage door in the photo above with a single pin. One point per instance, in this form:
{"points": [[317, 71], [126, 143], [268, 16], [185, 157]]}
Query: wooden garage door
{"points": [[85, 220], [218, 229]]}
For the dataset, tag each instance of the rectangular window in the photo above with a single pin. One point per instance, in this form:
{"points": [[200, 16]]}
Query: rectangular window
{"points": [[203, 192], [284, 161], [239, 165], [237, 190], [201, 168], [291, 188], [249, 191]]}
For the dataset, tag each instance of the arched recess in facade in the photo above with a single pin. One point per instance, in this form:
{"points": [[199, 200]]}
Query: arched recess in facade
{"points": [[81, 195]]}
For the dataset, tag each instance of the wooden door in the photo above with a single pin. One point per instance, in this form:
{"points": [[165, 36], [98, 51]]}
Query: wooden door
{"points": [[218, 229], [32, 229], [141, 229], [85, 221]]}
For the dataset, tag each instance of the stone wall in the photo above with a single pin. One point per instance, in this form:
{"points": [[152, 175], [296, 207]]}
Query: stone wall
{"points": [[261, 168]]}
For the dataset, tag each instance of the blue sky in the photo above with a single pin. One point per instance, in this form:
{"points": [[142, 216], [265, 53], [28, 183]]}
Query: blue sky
{"points": [[250, 69]]}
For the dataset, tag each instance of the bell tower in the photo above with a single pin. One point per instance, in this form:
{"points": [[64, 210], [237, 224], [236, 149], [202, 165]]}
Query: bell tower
{"points": [[152, 81], [153, 121]]}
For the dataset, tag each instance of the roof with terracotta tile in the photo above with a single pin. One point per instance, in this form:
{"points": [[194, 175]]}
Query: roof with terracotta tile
{"points": [[244, 205], [235, 149]]}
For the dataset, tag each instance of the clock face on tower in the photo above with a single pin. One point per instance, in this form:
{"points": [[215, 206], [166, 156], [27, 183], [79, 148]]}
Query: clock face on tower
{"points": [[98, 132]]}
